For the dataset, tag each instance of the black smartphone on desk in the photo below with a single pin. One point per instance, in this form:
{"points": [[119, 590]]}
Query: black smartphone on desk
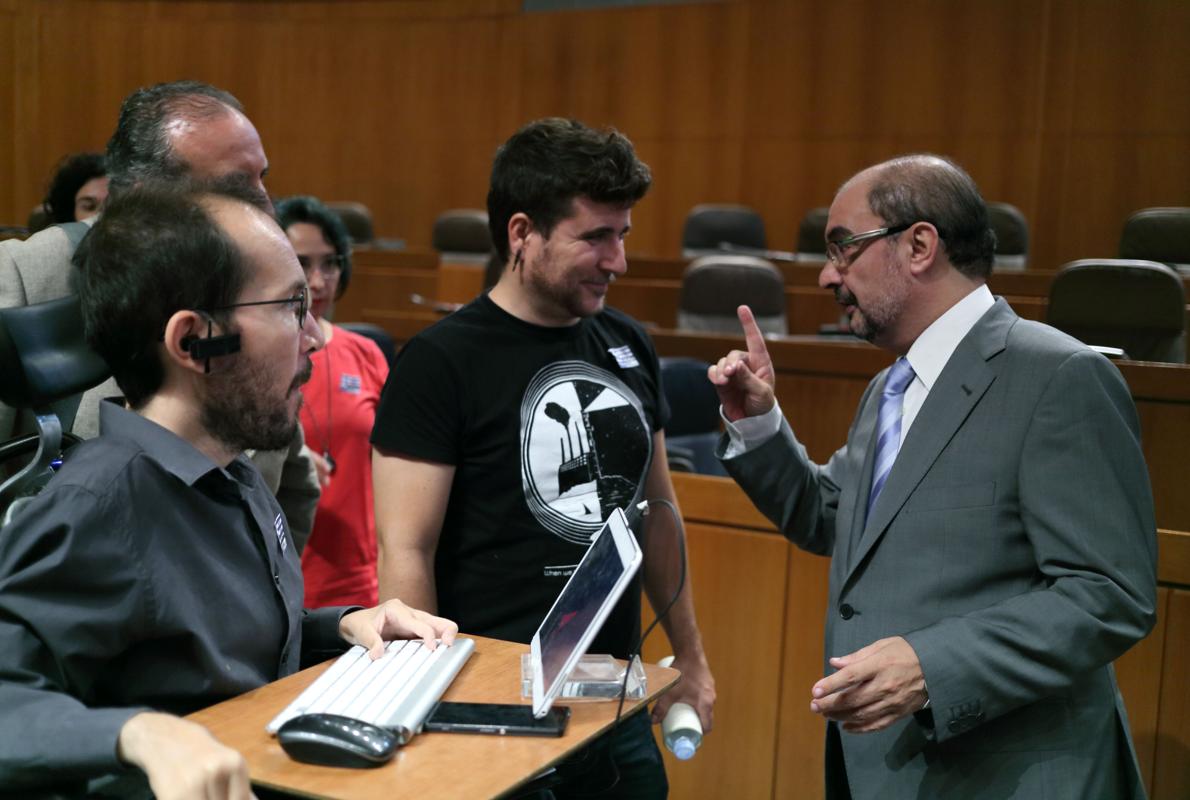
{"points": [[502, 719]]}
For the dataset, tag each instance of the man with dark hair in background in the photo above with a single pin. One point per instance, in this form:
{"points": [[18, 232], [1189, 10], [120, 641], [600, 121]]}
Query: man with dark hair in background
{"points": [[989, 521], [510, 430], [155, 574], [164, 132]]}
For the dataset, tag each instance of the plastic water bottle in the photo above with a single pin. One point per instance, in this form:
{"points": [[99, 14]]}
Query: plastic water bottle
{"points": [[682, 730]]}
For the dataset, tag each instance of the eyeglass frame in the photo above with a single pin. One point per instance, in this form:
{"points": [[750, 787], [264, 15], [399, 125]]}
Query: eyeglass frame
{"points": [[333, 263], [836, 257], [302, 298]]}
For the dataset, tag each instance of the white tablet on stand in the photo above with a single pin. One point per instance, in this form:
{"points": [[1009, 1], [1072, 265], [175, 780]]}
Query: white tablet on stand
{"points": [[581, 608]]}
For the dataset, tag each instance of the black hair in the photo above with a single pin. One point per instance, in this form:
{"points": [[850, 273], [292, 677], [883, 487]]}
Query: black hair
{"points": [[72, 172], [156, 250], [140, 148], [305, 208], [548, 163], [934, 189]]}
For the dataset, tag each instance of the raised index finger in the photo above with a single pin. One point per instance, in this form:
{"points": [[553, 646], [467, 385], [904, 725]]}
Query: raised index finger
{"points": [[753, 336]]}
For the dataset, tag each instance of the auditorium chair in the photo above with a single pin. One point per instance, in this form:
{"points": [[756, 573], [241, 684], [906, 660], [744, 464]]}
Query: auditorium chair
{"points": [[45, 361], [1012, 236], [811, 235], [1137, 306], [1158, 234], [709, 226], [693, 427], [713, 286], [357, 218], [463, 233]]}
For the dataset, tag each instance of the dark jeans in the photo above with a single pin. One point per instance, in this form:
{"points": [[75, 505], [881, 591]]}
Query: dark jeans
{"points": [[623, 763]]}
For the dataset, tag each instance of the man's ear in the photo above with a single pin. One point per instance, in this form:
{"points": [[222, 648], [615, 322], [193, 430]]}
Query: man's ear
{"points": [[183, 328], [925, 247], [519, 229]]}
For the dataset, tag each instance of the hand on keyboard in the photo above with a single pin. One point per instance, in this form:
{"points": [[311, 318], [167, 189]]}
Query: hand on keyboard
{"points": [[392, 619]]}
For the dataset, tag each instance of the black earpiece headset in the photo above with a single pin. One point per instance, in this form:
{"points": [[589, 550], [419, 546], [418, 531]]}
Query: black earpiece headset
{"points": [[210, 346]]}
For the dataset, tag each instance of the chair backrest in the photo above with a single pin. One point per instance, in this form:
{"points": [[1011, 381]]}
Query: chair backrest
{"points": [[693, 401], [463, 231], [710, 224], [377, 334], [693, 427], [357, 218], [44, 355], [811, 235], [1158, 234], [45, 360], [1138, 306], [714, 286], [1012, 236]]}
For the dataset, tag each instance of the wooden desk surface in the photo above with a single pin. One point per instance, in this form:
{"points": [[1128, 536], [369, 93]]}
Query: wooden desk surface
{"points": [[433, 764]]}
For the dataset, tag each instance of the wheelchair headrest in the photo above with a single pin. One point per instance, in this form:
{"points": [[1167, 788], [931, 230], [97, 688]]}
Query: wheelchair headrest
{"points": [[44, 355]]}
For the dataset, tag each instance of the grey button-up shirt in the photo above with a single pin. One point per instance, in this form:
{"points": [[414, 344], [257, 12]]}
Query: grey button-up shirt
{"points": [[144, 576]]}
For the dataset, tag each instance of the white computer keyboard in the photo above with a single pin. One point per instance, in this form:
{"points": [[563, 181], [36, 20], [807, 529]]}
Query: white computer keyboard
{"points": [[396, 691]]}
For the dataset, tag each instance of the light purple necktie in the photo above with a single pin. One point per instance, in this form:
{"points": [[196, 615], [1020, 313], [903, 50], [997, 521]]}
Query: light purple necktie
{"points": [[889, 424]]}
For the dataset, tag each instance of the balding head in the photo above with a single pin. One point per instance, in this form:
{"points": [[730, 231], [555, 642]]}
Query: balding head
{"points": [[183, 128], [929, 188]]}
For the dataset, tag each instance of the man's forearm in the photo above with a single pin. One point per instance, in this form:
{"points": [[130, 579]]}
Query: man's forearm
{"points": [[663, 571], [408, 575]]}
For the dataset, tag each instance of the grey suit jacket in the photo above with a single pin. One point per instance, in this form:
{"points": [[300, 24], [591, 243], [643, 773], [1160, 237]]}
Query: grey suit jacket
{"points": [[37, 270], [1013, 546]]}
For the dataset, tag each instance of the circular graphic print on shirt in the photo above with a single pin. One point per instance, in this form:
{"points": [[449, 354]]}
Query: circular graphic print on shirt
{"points": [[585, 447]]}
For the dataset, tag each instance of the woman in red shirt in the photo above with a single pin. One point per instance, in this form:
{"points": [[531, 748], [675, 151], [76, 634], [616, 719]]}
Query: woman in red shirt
{"points": [[339, 406]]}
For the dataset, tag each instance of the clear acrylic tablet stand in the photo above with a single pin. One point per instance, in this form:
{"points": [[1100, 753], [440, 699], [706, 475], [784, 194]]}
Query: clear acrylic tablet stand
{"points": [[596, 677]]}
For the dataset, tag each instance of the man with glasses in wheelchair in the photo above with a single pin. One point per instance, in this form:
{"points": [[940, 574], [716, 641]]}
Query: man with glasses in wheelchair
{"points": [[156, 574]]}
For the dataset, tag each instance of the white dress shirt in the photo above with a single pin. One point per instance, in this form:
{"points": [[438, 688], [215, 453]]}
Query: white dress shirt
{"points": [[928, 356]]}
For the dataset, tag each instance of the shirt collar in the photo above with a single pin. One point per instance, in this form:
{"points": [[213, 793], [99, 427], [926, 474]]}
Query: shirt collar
{"points": [[175, 455], [937, 343]]}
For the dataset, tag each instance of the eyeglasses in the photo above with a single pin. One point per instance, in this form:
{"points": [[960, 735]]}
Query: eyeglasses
{"points": [[300, 301], [834, 250], [327, 265]]}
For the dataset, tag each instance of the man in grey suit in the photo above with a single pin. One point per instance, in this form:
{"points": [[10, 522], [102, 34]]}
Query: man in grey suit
{"points": [[166, 131], [989, 519]]}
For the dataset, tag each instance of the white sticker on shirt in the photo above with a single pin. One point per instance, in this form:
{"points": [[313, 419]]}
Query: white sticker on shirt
{"points": [[279, 526], [624, 356], [350, 383], [585, 448]]}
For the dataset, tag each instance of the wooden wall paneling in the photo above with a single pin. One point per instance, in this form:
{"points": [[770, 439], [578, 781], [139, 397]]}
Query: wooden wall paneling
{"points": [[652, 302], [739, 579], [810, 309], [1165, 438], [1137, 673], [10, 113], [1172, 770], [668, 77], [1114, 142], [706, 498], [459, 281], [374, 291], [801, 733]]}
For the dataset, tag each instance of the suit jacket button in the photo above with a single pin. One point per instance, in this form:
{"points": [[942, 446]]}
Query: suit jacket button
{"points": [[846, 611]]}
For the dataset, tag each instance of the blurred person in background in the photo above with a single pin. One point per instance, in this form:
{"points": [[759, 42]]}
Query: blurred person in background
{"points": [[339, 559], [78, 189]]}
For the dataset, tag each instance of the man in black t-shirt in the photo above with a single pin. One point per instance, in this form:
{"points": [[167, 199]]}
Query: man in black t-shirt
{"points": [[510, 430]]}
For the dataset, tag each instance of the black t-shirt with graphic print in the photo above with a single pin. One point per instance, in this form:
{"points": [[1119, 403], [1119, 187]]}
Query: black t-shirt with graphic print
{"points": [[549, 429]]}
